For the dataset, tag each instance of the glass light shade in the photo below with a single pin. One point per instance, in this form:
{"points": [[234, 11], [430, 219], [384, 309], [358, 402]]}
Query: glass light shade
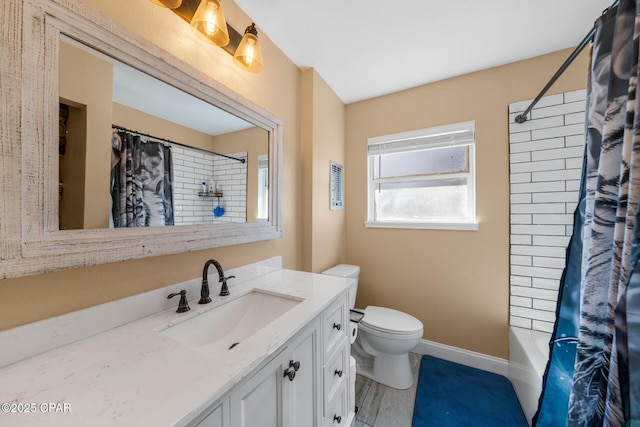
{"points": [[171, 4], [248, 56], [210, 22]]}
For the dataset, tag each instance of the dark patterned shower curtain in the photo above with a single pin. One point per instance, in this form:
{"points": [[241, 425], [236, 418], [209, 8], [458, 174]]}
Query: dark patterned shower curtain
{"points": [[141, 182], [593, 374]]}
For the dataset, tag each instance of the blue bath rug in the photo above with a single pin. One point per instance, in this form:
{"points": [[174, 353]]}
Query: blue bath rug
{"points": [[454, 395]]}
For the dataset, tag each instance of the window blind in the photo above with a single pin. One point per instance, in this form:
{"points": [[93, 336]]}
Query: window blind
{"points": [[440, 136]]}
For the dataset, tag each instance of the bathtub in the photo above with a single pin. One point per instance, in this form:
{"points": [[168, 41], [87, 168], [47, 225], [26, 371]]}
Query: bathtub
{"points": [[528, 355]]}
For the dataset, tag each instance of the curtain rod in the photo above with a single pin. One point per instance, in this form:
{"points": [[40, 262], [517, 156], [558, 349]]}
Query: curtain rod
{"points": [[522, 117], [177, 143]]}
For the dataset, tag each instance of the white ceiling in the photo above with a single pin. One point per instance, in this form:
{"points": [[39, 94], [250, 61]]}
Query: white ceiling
{"points": [[145, 93], [368, 48], [142, 92]]}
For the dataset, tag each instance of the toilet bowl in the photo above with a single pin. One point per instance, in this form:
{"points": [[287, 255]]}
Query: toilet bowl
{"points": [[384, 339]]}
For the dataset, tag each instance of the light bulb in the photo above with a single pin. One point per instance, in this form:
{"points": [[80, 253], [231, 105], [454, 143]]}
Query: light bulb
{"points": [[209, 21], [248, 56]]}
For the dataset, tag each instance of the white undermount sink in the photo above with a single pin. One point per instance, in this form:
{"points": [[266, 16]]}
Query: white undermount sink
{"points": [[225, 326]]}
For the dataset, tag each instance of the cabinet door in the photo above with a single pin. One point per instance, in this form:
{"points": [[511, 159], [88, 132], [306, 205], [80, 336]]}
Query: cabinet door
{"points": [[260, 400], [219, 417], [305, 400]]}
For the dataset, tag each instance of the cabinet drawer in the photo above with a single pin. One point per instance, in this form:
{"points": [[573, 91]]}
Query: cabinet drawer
{"points": [[337, 414], [335, 327], [336, 371]]}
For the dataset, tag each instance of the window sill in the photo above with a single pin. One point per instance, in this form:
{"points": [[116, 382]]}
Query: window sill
{"points": [[463, 226]]}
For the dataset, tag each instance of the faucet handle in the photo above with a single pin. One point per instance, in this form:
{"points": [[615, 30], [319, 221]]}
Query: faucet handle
{"points": [[183, 305], [224, 290]]}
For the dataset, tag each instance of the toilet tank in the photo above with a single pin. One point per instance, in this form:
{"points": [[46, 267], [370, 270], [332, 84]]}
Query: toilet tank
{"points": [[349, 271]]}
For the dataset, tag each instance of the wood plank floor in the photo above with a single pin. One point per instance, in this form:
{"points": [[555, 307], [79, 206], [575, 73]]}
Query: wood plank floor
{"points": [[382, 406]]}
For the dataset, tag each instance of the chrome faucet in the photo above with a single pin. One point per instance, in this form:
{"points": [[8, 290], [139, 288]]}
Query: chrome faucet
{"points": [[204, 292]]}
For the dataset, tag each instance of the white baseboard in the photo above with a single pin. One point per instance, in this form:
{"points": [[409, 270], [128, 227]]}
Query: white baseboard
{"points": [[464, 357]]}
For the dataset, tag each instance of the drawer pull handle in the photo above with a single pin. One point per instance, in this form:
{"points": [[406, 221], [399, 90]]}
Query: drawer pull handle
{"points": [[337, 326], [337, 418], [290, 373], [295, 365]]}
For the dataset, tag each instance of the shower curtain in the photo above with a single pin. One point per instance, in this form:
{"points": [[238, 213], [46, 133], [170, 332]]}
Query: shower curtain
{"points": [[593, 374], [141, 182]]}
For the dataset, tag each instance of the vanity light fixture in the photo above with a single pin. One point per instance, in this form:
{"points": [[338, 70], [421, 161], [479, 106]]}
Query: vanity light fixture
{"points": [[170, 4], [248, 55], [209, 21]]}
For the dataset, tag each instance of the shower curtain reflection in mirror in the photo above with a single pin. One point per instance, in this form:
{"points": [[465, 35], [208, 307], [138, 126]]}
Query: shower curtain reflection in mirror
{"points": [[141, 182]]}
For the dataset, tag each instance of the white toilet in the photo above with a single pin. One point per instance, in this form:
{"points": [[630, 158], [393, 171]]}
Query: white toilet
{"points": [[384, 339]]}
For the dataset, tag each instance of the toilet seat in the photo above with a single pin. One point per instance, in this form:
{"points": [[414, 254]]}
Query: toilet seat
{"points": [[389, 321]]}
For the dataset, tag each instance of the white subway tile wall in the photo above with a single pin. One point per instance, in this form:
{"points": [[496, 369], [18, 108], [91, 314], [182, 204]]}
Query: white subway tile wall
{"points": [[231, 176], [192, 168], [545, 165]]}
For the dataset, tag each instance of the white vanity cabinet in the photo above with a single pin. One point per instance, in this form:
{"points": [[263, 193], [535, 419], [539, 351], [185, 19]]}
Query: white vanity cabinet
{"points": [[303, 385], [180, 379]]}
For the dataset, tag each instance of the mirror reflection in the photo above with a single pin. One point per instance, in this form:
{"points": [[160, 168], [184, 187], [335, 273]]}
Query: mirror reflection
{"points": [[136, 152]]}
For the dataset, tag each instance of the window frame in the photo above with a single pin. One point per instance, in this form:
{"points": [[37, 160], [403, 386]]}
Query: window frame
{"points": [[456, 134]]}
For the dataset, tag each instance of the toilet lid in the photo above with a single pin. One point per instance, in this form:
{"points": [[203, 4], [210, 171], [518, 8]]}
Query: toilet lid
{"points": [[386, 319]]}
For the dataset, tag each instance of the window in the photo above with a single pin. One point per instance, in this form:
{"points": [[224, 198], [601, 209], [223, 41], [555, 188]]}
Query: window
{"points": [[423, 179], [263, 187]]}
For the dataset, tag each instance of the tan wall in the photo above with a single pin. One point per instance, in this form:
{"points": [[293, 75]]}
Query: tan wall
{"points": [[276, 90], [306, 117], [455, 282], [137, 120], [323, 124]]}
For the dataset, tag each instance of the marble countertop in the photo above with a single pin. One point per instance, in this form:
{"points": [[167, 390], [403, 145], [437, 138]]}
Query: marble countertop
{"points": [[134, 375]]}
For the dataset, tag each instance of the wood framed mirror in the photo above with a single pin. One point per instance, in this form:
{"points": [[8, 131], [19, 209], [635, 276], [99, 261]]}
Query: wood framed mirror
{"points": [[34, 238]]}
